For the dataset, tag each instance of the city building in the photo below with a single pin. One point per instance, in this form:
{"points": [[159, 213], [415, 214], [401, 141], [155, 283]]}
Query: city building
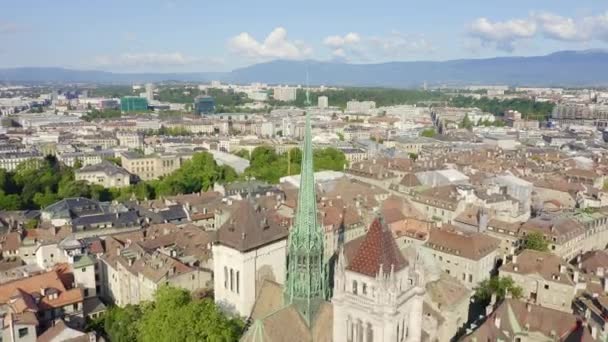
{"points": [[323, 102], [10, 161], [285, 94], [204, 105], [360, 106], [515, 320], [152, 166], [132, 271], [250, 248], [106, 174], [469, 257], [544, 278], [132, 140], [133, 104], [149, 92]]}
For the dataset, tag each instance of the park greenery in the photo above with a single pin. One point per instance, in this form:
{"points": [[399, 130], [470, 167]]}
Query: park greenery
{"points": [[499, 286], [267, 165], [529, 109], [536, 241], [428, 133], [382, 96], [38, 183], [174, 315], [95, 114]]}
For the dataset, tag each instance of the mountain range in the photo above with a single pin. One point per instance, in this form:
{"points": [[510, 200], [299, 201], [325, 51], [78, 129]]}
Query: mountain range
{"points": [[563, 68]]}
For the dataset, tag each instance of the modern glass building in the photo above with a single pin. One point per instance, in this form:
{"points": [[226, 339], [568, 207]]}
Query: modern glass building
{"points": [[204, 105], [133, 104]]}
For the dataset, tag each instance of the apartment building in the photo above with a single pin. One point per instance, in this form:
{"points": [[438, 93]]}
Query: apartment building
{"points": [[106, 174], [152, 166], [10, 161], [468, 256], [131, 272], [544, 278]]}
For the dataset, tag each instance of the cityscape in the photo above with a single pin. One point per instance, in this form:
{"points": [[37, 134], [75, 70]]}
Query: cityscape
{"points": [[361, 179]]}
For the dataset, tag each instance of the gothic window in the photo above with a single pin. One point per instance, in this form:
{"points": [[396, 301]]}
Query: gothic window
{"points": [[231, 280], [364, 289], [225, 277], [354, 287], [237, 281]]}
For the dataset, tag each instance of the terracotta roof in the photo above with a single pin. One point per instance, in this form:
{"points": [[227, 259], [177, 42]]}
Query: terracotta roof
{"points": [[410, 180], [31, 285], [546, 265], [378, 251], [515, 316], [250, 227], [52, 334], [470, 245], [591, 261], [10, 242]]}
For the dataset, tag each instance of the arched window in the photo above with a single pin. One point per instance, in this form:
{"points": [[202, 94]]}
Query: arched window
{"points": [[354, 287], [364, 289], [369, 333], [225, 277], [237, 281], [231, 280]]}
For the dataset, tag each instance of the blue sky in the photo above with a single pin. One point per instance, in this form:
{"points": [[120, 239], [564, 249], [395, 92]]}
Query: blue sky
{"points": [[188, 35]]}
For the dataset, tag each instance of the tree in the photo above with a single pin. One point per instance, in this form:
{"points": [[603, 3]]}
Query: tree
{"points": [[413, 156], [176, 316], [536, 241], [120, 324], [499, 286], [428, 133], [340, 136], [115, 160], [466, 122], [242, 153]]}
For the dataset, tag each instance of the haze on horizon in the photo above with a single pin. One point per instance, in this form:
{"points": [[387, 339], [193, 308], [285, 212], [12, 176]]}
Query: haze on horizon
{"points": [[186, 35]]}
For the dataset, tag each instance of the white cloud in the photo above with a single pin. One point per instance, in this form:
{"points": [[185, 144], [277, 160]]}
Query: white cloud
{"points": [[503, 35], [354, 47], [398, 44], [275, 45], [557, 27], [174, 59], [340, 41]]}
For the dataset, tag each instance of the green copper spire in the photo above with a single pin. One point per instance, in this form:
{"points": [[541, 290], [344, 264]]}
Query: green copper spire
{"points": [[306, 285]]}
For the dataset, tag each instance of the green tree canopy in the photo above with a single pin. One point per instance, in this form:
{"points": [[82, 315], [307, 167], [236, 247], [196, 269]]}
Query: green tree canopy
{"points": [[428, 133], [499, 286], [266, 164], [173, 316], [536, 241]]}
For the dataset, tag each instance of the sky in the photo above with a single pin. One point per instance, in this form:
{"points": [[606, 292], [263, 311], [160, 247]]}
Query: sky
{"points": [[203, 35]]}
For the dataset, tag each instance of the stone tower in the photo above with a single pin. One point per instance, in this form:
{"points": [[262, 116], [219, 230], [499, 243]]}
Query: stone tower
{"points": [[378, 294]]}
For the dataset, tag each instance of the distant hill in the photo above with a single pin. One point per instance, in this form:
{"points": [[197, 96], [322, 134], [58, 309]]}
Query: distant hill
{"points": [[564, 68]]}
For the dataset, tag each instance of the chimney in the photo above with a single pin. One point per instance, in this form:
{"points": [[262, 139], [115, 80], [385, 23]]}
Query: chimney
{"points": [[594, 332], [575, 277], [497, 322], [562, 269], [529, 307], [605, 284], [599, 272], [514, 259]]}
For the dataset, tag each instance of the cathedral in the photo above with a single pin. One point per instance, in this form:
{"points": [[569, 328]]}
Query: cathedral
{"points": [[374, 293]]}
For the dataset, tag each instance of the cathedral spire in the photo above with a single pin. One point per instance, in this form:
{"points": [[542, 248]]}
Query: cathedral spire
{"points": [[306, 284]]}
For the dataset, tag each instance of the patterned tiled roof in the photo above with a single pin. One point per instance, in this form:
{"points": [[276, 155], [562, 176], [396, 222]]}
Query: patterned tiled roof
{"points": [[378, 248]]}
